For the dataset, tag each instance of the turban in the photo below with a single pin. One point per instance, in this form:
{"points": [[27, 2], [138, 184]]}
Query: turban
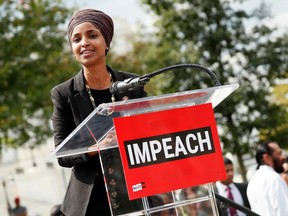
{"points": [[99, 19]]}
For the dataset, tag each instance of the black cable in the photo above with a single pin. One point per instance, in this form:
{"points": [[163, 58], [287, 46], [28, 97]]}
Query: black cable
{"points": [[235, 205], [173, 67]]}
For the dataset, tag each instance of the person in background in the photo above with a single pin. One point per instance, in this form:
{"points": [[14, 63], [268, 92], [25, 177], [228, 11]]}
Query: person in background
{"points": [[284, 174], [232, 190], [202, 208], [90, 33], [267, 191], [19, 210], [168, 200], [55, 210]]}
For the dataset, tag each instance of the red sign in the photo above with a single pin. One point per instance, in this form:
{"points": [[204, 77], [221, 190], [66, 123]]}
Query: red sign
{"points": [[169, 150]]}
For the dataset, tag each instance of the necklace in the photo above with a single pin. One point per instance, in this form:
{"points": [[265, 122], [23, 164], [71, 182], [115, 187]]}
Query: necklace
{"points": [[90, 94]]}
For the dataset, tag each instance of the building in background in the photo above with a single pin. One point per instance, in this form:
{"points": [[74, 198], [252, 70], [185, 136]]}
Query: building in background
{"points": [[27, 173]]}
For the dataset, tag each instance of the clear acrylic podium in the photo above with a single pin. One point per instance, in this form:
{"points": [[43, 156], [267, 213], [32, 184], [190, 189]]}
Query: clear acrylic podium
{"points": [[96, 133]]}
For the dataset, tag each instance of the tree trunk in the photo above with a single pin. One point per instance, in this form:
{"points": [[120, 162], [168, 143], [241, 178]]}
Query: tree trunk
{"points": [[242, 168]]}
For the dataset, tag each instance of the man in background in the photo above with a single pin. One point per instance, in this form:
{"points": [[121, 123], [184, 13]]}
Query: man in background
{"points": [[55, 211], [18, 210], [231, 190], [267, 191]]}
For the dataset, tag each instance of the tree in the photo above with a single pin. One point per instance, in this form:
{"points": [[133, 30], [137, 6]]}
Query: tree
{"points": [[33, 58], [215, 33]]}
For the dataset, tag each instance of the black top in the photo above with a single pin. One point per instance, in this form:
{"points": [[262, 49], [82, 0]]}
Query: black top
{"points": [[101, 96]]}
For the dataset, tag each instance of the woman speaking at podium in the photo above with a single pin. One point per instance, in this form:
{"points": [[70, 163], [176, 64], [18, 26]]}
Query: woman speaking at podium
{"points": [[90, 33]]}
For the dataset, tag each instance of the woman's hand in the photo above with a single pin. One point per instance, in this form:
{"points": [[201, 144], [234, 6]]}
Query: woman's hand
{"points": [[109, 140]]}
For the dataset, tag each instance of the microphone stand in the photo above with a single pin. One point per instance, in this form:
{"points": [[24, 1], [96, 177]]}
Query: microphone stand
{"points": [[136, 82]]}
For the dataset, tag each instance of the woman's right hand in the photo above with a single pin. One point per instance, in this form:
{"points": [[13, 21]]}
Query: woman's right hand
{"points": [[109, 140]]}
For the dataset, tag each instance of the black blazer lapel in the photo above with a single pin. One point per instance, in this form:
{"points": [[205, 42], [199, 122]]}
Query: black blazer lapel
{"points": [[81, 97]]}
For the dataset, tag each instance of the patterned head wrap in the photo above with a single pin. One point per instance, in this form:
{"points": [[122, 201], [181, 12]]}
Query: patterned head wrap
{"points": [[99, 19]]}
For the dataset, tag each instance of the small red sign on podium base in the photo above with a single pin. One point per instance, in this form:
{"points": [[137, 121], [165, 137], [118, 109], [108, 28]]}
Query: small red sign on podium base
{"points": [[169, 150]]}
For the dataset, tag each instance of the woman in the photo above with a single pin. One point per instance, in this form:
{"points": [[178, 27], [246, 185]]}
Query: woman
{"points": [[90, 33]]}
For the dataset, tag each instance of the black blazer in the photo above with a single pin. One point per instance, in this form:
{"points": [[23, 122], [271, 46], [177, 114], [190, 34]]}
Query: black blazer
{"points": [[71, 106], [242, 187]]}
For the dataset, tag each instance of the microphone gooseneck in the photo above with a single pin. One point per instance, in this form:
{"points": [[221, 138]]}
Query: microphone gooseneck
{"points": [[136, 82]]}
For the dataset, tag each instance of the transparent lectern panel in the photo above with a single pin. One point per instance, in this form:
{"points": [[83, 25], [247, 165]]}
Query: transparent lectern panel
{"points": [[96, 130], [96, 133], [88, 135], [116, 184], [198, 200]]}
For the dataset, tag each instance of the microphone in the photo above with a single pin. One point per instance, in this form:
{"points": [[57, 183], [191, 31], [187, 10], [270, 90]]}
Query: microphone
{"points": [[127, 84], [136, 82]]}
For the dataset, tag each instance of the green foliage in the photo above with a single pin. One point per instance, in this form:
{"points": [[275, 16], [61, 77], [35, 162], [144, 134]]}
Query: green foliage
{"points": [[281, 94], [146, 57], [32, 60]]}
